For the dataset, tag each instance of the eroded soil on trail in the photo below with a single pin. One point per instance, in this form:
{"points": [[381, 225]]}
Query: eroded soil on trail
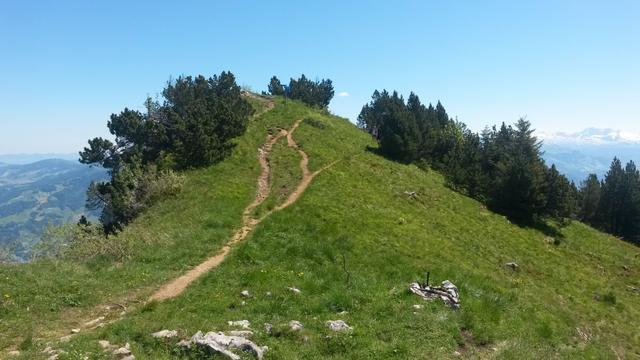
{"points": [[178, 285]]}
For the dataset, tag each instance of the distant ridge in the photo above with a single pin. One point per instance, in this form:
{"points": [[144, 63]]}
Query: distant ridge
{"points": [[31, 158]]}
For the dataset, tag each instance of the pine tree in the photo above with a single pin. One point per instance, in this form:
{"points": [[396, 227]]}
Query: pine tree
{"points": [[589, 198], [275, 87], [611, 198]]}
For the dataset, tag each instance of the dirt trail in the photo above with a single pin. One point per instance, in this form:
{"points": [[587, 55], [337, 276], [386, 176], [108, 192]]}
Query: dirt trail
{"points": [[178, 285]]}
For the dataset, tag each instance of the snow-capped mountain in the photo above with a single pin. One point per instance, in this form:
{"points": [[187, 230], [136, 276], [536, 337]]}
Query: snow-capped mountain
{"points": [[589, 151]]}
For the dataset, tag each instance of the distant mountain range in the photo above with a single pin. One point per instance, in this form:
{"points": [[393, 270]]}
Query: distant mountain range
{"points": [[33, 195], [589, 151]]}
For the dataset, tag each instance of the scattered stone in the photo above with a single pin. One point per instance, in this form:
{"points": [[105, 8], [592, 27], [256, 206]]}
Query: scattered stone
{"points": [[457, 354], [294, 290], [14, 353], [185, 343], [242, 333], [268, 293], [512, 265], [94, 322], [104, 344], [338, 325], [418, 307], [343, 312], [66, 338], [633, 289], [75, 331], [411, 194], [447, 292], [295, 325], [243, 303], [165, 334], [245, 324], [268, 327], [122, 351], [245, 293], [218, 342], [584, 334]]}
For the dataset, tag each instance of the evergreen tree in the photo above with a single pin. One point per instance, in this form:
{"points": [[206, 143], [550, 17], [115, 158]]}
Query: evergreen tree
{"points": [[612, 198], [560, 199], [519, 188], [589, 197], [630, 211], [275, 87]]}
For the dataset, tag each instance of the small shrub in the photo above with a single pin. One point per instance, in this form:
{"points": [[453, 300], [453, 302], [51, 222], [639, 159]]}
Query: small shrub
{"points": [[609, 298]]}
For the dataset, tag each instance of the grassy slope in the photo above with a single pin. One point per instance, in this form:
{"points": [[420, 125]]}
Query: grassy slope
{"points": [[354, 213]]}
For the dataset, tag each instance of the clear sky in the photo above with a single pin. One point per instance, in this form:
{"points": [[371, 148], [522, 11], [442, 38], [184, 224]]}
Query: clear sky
{"points": [[566, 65]]}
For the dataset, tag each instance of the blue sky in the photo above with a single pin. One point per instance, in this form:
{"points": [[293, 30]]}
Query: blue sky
{"points": [[566, 65]]}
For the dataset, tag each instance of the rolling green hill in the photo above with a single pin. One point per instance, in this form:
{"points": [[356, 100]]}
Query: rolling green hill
{"points": [[351, 243]]}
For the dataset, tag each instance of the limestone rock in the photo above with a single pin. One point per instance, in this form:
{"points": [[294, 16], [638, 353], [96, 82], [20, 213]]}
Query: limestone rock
{"points": [[165, 334], [447, 292], [294, 290], [512, 265], [245, 324], [94, 322], [218, 342], [242, 333], [338, 325], [295, 325]]}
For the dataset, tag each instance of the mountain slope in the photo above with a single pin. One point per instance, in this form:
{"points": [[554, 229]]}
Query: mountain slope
{"points": [[351, 243]]}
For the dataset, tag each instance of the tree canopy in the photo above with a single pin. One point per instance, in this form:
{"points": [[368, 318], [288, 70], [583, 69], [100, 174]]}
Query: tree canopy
{"points": [[193, 127], [315, 93]]}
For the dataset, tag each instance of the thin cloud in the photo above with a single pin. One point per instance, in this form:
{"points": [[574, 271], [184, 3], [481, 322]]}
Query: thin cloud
{"points": [[343, 94]]}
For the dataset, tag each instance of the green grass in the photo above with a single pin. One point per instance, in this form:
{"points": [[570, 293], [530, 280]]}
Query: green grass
{"points": [[286, 174], [354, 216]]}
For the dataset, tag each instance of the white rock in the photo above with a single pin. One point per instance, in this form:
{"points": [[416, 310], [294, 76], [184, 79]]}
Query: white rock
{"points": [[268, 327], [223, 344], [165, 334], [295, 325], [185, 343], [338, 325], [294, 290], [104, 344], [245, 324], [75, 331], [245, 293], [94, 322], [418, 307], [242, 333], [122, 351]]}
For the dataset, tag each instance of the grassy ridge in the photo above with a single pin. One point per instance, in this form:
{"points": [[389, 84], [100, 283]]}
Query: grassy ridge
{"points": [[352, 243]]}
